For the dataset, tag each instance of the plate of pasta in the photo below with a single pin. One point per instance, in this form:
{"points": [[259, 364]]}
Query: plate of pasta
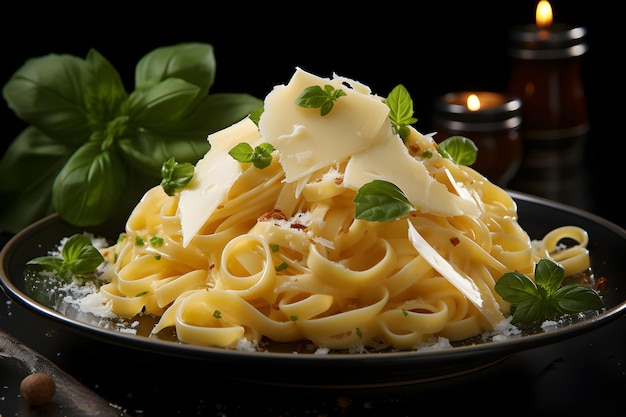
{"points": [[326, 232]]}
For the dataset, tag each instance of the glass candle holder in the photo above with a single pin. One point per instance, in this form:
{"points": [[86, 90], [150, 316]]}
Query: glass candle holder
{"points": [[546, 74], [492, 121]]}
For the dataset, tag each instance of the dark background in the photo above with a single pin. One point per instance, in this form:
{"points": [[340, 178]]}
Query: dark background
{"points": [[430, 47]]}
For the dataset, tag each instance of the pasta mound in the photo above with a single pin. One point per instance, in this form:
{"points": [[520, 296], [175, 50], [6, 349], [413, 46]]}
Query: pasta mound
{"points": [[277, 253]]}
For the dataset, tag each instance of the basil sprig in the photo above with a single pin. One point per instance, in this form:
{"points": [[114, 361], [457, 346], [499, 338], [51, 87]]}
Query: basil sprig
{"points": [[260, 155], [400, 111], [315, 97], [545, 298], [175, 175], [91, 148], [78, 258]]}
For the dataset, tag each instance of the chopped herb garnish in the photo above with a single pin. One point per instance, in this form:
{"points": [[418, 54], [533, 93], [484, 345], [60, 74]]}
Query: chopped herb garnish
{"points": [[400, 111], [281, 267], [141, 294], [260, 156], [404, 312], [317, 97], [545, 298], [381, 201], [459, 149], [78, 257], [139, 241], [359, 332], [175, 175], [157, 257], [217, 314], [156, 241], [274, 247], [293, 318]]}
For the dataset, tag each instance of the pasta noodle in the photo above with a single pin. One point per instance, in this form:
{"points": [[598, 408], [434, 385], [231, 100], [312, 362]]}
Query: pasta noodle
{"points": [[282, 256]]}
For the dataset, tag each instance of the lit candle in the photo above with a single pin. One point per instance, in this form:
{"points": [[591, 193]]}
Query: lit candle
{"points": [[491, 120], [546, 75], [545, 39]]}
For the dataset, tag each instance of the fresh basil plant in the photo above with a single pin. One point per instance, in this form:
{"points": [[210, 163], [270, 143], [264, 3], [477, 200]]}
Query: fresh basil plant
{"points": [[91, 148]]}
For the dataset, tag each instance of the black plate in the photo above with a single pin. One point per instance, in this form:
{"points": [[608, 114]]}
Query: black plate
{"points": [[536, 215]]}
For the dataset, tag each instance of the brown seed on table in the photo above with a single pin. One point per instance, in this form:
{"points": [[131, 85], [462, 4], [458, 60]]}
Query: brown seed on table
{"points": [[37, 388]]}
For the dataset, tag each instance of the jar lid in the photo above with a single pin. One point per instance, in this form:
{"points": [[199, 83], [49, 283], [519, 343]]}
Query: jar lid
{"points": [[554, 42], [499, 112]]}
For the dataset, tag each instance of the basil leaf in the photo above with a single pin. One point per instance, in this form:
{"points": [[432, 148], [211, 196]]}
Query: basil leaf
{"points": [[88, 187], [162, 104], [147, 150], [80, 256], [460, 149], [574, 298], [191, 62], [220, 110], [400, 110], [175, 175], [255, 116], [46, 92], [27, 170], [31, 156], [260, 156], [381, 201], [527, 312], [242, 152], [549, 275], [54, 263], [317, 97], [532, 302], [104, 93], [515, 287]]}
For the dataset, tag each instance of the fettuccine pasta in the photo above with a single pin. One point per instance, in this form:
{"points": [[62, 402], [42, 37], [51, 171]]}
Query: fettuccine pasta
{"points": [[244, 253]]}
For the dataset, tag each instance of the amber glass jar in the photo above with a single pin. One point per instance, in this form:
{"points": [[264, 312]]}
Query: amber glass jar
{"points": [[546, 74]]}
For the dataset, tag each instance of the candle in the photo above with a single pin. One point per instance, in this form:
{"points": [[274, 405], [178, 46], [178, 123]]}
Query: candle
{"points": [[491, 120], [546, 40], [546, 75]]}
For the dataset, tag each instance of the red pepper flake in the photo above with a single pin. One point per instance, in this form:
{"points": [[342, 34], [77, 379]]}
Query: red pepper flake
{"points": [[414, 149], [455, 241], [273, 214]]}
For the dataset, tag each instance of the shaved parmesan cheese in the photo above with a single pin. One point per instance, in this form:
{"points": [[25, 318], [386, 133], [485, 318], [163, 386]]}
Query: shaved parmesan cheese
{"points": [[213, 177], [481, 298], [389, 160], [307, 141]]}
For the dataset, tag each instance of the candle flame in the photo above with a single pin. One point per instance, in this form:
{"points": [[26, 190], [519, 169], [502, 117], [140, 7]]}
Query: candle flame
{"points": [[473, 102], [544, 14]]}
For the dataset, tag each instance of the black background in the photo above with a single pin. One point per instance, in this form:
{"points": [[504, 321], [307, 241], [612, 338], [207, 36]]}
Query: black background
{"points": [[430, 47]]}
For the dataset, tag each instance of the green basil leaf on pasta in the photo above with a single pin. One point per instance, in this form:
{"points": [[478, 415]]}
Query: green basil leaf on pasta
{"points": [[381, 201]]}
